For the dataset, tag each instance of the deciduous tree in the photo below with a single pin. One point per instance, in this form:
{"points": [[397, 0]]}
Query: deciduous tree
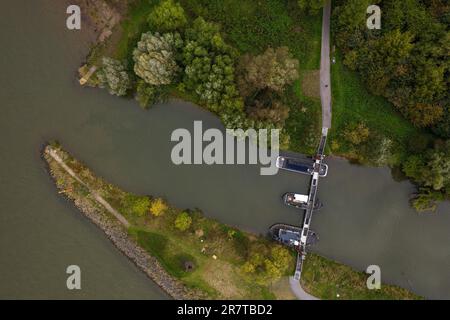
{"points": [[167, 16], [113, 76], [155, 57], [274, 69], [183, 221]]}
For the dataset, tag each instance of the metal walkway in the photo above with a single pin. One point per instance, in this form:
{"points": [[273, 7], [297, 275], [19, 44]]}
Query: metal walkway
{"points": [[310, 209]]}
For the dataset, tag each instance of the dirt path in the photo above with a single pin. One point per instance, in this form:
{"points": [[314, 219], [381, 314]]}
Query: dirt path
{"points": [[325, 78], [52, 153]]}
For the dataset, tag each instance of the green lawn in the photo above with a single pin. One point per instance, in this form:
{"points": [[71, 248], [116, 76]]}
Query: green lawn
{"points": [[330, 280], [352, 103]]}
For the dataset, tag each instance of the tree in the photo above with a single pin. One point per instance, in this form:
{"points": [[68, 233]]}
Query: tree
{"points": [[275, 111], [281, 257], [381, 57], [272, 270], [147, 95], [431, 169], [356, 133], [426, 200], [274, 69], [442, 128], [406, 61], [437, 174], [136, 205], [113, 76], [209, 70], [413, 167], [167, 16], [155, 57], [424, 114], [310, 6], [183, 221], [158, 207], [378, 149]]}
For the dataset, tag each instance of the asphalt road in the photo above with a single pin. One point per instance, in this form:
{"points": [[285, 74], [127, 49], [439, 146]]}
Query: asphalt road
{"points": [[325, 81]]}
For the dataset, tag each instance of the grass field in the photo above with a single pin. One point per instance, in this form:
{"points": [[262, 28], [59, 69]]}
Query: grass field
{"points": [[352, 102], [330, 280]]}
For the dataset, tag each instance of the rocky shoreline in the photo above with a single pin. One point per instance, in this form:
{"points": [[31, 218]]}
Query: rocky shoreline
{"points": [[115, 231]]}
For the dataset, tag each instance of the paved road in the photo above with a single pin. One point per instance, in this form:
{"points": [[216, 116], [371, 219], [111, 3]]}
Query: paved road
{"points": [[325, 81], [298, 290], [325, 97]]}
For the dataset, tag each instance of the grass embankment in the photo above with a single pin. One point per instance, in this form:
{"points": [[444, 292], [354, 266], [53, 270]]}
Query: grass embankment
{"points": [[352, 103], [252, 28], [249, 28], [216, 252], [226, 262], [328, 279]]}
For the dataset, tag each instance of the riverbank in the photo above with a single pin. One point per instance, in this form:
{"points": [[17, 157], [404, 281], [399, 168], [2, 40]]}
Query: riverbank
{"points": [[366, 129], [203, 258], [203, 261], [112, 223]]}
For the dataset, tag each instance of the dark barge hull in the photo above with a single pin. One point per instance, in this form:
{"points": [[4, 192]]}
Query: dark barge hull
{"points": [[274, 232]]}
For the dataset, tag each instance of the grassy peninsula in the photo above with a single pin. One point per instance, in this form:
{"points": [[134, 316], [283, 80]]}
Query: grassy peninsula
{"points": [[209, 259]]}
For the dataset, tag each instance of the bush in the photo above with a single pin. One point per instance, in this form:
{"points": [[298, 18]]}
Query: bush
{"points": [[183, 221], [167, 16], [426, 200], [356, 133], [310, 6], [158, 207], [248, 267], [137, 205]]}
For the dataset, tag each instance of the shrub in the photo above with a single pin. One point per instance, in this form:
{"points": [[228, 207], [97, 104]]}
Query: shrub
{"points": [[138, 205], [158, 207], [310, 6], [356, 133], [426, 200], [113, 76], [183, 221], [167, 16], [248, 267]]}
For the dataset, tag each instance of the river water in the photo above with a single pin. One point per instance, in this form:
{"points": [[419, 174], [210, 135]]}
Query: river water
{"points": [[366, 219]]}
